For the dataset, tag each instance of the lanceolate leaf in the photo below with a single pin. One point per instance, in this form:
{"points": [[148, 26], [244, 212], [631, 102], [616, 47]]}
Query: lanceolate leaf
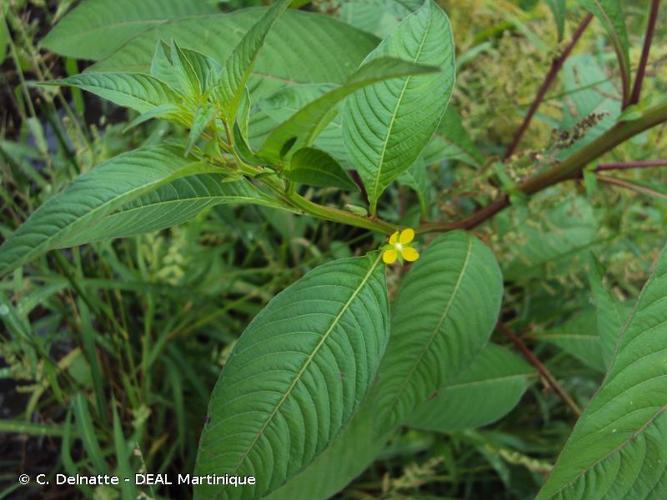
{"points": [[316, 168], [349, 454], [387, 125], [482, 393], [610, 14], [559, 10], [96, 28], [617, 448], [446, 310], [292, 54], [170, 205], [131, 90], [296, 376], [305, 125], [91, 197], [240, 63], [578, 337]]}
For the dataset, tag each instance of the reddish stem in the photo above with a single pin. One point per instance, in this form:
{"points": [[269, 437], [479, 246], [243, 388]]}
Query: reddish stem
{"points": [[627, 165], [543, 370], [643, 61], [556, 65], [613, 181]]}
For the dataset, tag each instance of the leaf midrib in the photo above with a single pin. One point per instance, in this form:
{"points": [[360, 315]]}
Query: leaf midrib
{"points": [[436, 329], [308, 361], [394, 113], [46, 244]]}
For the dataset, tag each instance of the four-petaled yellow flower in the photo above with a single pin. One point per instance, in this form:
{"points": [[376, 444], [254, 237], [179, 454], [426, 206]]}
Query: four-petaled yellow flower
{"points": [[399, 247]]}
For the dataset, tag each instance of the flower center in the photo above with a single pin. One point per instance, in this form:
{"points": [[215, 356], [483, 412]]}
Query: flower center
{"points": [[399, 246]]}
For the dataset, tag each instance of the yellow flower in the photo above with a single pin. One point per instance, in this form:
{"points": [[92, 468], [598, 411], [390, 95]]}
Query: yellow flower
{"points": [[399, 247]]}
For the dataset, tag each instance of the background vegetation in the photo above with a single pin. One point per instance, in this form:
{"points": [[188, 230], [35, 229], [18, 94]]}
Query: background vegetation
{"points": [[109, 351]]}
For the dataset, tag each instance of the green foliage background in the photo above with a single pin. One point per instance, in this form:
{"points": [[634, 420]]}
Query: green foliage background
{"points": [[110, 351]]}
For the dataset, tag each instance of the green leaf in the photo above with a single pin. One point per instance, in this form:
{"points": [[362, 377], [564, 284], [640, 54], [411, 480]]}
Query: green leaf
{"points": [[316, 168], [447, 308], [329, 57], [349, 454], [416, 178], [578, 337], [306, 124], [186, 71], [97, 28], [379, 17], [435, 335], [610, 14], [559, 10], [539, 246], [91, 197], [239, 65], [452, 142], [140, 92], [174, 203], [482, 393], [86, 431], [321, 341], [610, 313], [617, 448], [386, 126], [202, 118], [4, 35]]}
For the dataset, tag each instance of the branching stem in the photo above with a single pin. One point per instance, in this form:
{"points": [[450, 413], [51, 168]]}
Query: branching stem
{"points": [[556, 65]]}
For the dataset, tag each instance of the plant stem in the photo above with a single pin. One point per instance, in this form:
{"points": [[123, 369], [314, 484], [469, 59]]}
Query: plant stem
{"points": [[295, 200], [627, 165], [543, 370], [567, 169], [631, 186], [643, 61], [341, 216], [556, 65]]}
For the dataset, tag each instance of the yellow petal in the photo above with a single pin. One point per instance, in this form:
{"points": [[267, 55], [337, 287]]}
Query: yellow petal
{"points": [[410, 254], [393, 239], [389, 256], [407, 235]]}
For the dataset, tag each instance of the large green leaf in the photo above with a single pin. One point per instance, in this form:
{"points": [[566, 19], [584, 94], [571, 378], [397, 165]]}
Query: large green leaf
{"points": [[239, 64], [170, 205], [445, 313], [446, 310], [482, 393], [610, 14], [96, 28], [578, 336], [140, 92], [296, 376], [92, 196], [301, 47], [304, 126], [316, 168], [351, 452], [617, 449], [387, 125]]}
